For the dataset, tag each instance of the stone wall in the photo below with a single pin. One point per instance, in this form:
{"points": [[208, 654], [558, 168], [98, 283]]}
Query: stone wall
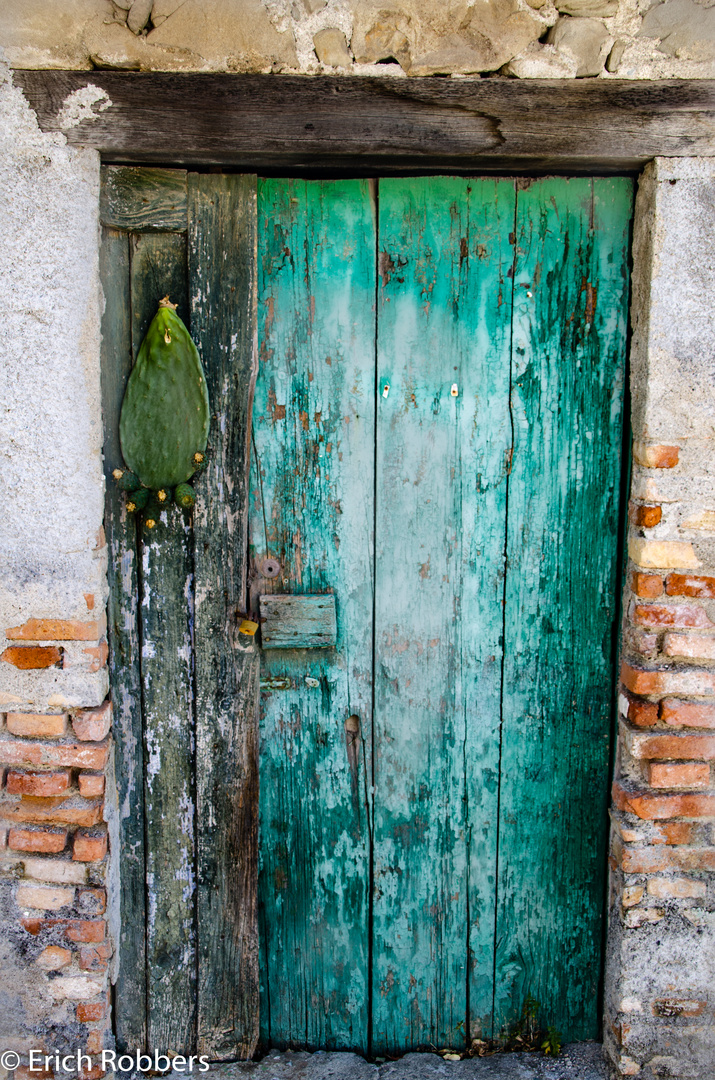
{"points": [[661, 968], [541, 39]]}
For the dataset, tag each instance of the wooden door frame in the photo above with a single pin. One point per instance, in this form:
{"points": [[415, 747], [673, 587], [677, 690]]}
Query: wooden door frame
{"points": [[346, 125]]}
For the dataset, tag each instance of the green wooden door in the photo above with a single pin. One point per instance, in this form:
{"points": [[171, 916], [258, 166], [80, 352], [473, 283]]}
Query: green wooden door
{"points": [[437, 445]]}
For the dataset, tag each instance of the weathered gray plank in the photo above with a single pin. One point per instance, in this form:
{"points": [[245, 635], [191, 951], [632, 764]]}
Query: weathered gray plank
{"points": [[222, 283], [158, 267], [392, 124], [143, 199], [298, 622], [124, 649]]}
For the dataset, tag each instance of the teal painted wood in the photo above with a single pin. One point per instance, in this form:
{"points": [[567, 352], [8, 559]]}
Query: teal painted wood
{"points": [[570, 315], [443, 323], [312, 510], [158, 267], [124, 649], [222, 288], [298, 622]]}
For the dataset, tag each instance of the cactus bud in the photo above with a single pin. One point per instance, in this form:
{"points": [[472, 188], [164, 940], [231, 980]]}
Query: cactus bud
{"points": [[150, 523], [161, 495], [126, 479], [184, 496], [138, 500]]}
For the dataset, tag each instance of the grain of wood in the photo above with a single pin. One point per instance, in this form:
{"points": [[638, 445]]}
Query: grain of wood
{"points": [[568, 368], [444, 318], [222, 287], [390, 125], [312, 511], [158, 267], [124, 648]]}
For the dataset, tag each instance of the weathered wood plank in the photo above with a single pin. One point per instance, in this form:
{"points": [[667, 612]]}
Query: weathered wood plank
{"points": [[255, 121], [568, 364], [312, 511], [124, 649], [158, 267], [298, 622], [143, 199], [443, 325], [222, 286]]}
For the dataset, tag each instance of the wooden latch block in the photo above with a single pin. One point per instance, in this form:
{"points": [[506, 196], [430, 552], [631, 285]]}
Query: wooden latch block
{"points": [[298, 622]]}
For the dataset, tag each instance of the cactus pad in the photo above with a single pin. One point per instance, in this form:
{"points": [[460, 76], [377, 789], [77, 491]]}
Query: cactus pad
{"points": [[164, 420]]}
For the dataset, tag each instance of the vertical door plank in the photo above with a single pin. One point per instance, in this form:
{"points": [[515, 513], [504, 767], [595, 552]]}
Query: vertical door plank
{"points": [[124, 649], [222, 260], [312, 510], [166, 611], [443, 319], [570, 314]]}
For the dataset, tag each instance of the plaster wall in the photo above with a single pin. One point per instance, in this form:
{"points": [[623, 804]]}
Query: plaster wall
{"points": [[51, 488]]}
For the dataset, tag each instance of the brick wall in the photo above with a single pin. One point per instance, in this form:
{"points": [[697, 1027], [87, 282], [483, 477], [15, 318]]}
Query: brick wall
{"points": [[54, 845]]}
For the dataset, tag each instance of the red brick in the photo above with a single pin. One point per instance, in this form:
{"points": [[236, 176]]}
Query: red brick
{"points": [[92, 725], [678, 615], [40, 784], [692, 646], [690, 585], [95, 957], [676, 888], [48, 841], [90, 784], [676, 832], [99, 655], [688, 774], [673, 747], [73, 810], [27, 658], [656, 859], [647, 586], [37, 725], [692, 681], [655, 457], [687, 713], [89, 848], [89, 600], [86, 930], [95, 1041], [81, 931], [22, 1072], [90, 1011], [54, 630], [646, 516], [642, 713], [95, 1073], [93, 901], [651, 807], [74, 755]]}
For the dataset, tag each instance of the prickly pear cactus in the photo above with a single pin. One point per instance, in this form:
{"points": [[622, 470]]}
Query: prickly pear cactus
{"points": [[164, 422]]}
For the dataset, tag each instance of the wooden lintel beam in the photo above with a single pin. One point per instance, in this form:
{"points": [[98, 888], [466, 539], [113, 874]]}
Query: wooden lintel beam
{"points": [[355, 124]]}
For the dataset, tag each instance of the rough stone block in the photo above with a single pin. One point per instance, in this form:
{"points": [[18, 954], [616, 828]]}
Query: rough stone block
{"points": [[331, 48], [587, 40]]}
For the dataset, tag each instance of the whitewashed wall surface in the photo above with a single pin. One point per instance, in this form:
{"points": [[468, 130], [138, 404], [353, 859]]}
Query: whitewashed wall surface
{"points": [[541, 39]]}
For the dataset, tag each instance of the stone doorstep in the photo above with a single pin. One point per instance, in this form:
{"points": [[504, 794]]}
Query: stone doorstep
{"points": [[578, 1061]]}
